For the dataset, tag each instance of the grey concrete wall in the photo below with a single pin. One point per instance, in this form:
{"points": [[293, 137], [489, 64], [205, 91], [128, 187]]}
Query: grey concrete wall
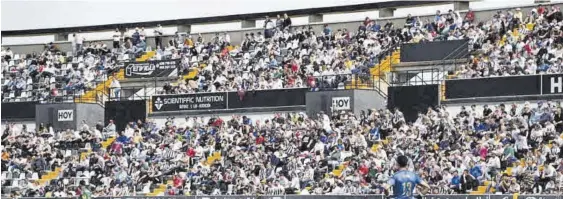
{"points": [[322, 101], [238, 35], [91, 113], [368, 99], [47, 114]]}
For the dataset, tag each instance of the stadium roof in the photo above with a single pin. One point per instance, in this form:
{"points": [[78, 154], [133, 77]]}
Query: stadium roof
{"points": [[228, 18]]}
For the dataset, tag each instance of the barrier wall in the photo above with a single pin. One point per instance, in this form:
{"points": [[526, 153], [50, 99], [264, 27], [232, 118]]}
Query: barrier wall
{"points": [[343, 100], [435, 51], [412, 100], [65, 116], [223, 102], [453, 196], [18, 111], [527, 85]]}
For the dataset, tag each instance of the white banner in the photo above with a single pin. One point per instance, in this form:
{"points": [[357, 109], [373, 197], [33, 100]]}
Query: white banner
{"points": [[65, 115], [340, 103]]}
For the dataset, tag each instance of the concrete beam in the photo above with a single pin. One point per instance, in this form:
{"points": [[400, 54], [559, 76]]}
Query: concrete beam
{"points": [[185, 28], [316, 18], [461, 5], [61, 37], [386, 12], [248, 24]]}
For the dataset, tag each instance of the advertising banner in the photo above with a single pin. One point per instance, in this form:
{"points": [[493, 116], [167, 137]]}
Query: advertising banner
{"points": [[18, 111], [526, 85], [188, 102], [435, 51], [229, 101], [340, 103], [160, 68]]}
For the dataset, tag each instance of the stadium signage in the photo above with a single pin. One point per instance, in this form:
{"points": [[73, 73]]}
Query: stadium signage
{"points": [[65, 115], [525, 85], [161, 68], [340, 103], [186, 102]]}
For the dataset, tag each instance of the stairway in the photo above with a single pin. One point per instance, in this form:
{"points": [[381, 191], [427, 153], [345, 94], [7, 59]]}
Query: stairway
{"points": [[481, 190], [100, 90], [105, 144], [385, 65], [211, 159], [338, 171], [146, 56], [50, 175], [158, 191]]}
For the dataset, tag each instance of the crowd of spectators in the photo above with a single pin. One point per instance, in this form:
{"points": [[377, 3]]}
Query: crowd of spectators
{"points": [[295, 154], [286, 56]]}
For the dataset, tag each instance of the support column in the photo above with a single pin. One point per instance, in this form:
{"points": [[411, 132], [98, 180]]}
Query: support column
{"points": [[185, 28], [461, 5], [316, 18], [61, 37], [248, 24], [386, 12]]}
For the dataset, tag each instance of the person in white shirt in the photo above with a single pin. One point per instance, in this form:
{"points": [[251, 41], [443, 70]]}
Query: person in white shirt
{"points": [[78, 40], [116, 88], [116, 38]]}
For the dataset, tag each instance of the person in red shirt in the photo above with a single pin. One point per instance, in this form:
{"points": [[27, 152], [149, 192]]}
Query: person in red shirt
{"points": [[470, 16]]}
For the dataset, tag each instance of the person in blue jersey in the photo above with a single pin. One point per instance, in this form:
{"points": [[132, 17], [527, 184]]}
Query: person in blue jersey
{"points": [[404, 182]]}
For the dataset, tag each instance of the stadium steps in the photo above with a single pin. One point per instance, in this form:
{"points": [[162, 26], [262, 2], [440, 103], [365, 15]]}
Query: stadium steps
{"points": [[385, 65], [91, 95], [160, 189], [50, 175], [338, 171], [212, 158], [443, 92], [146, 56], [481, 190], [105, 144]]}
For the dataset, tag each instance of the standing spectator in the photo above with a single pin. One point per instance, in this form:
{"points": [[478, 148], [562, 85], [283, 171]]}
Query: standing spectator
{"points": [[115, 88], [142, 34], [116, 38], [78, 40], [158, 36], [136, 37], [286, 21], [279, 23], [269, 26], [469, 16]]}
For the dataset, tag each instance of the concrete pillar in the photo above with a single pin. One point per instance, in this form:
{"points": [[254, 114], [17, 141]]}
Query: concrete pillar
{"points": [[248, 24], [316, 18], [386, 12], [61, 37], [185, 28], [461, 5]]}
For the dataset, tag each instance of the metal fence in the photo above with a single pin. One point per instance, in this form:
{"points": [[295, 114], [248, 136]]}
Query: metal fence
{"points": [[453, 196]]}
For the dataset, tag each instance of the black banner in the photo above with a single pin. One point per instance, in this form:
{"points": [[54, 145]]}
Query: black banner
{"points": [[187, 102], [160, 68], [18, 110], [229, 100], [435, 51], [552, 84], [122, 112], [267, 98], [401, 97], [528, 85]]}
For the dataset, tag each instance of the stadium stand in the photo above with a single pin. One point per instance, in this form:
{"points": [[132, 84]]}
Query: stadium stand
{"points": [[509, 149]]}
